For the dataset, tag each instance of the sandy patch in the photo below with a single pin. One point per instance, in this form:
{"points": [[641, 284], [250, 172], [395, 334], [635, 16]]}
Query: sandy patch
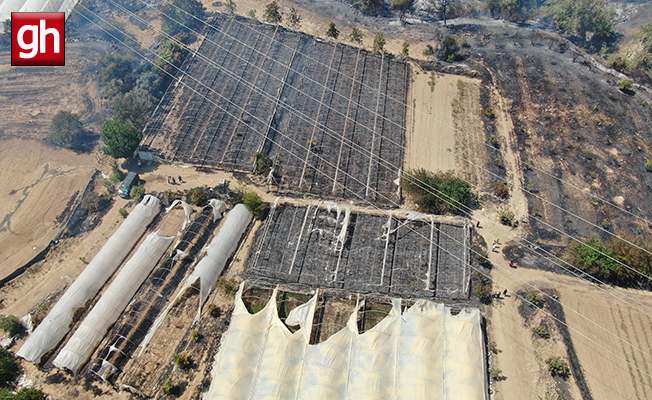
{"points": [[36, 183], [443, 112]]}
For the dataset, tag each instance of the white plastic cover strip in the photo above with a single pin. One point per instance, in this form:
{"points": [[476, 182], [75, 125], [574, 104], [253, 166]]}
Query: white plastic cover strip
{"points": [[221, 248], [113, 302], [423, 353], [41, 6], [57, 323]]}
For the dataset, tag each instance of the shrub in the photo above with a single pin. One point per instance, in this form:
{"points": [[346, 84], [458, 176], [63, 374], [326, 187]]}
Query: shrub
{"points": [[11, 324], [648, 165], [213, 310], [181, 360], [228, 286], [448, 49], [542, 332], [604, 261], [495, 374], [506, 216], [332, 31], [482, 258], [618, 63], [429, 51], [263, 164], [66, 130], [482, 288], [197, 196], [501, 190], [558, 366], [29, 394], [168, 388], [272, 13], [534, 297], [379, 43], [356, 35], [492, 139], [91, 203], [626, 85], [254, 203], [9, 368], [195, 336], [123, 213], [137, 192], [438, 193]]}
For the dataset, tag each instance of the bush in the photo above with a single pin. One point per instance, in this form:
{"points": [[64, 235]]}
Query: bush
{"points": [[197, 196], [605, 261], [195, 336], [272, 13], [181, 360], [438, 193], [137, 192], [254, 203], [123, 213], [534, 297], [626, 85], [379, 43], [557, 366], [506, 216], [228, 286], [263, 164], [92, 203], [9, 368], [66, 130], [332, 31], [542, 332], [448, 49], [213, 310], [29, 394], [482, 288], [429, 51], [11, 324], [648, 165], [168, 388], [501, 190], [495, 374]]}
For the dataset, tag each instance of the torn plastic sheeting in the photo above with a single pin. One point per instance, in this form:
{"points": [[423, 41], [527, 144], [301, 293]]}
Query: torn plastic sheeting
{"points": [[209, 268], [57, 323], [422, 353], [113, 302], [218, 208], [186, 208]]}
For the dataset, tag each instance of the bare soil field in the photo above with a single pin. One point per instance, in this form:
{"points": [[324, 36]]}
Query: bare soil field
{"points": [[37, 181]]}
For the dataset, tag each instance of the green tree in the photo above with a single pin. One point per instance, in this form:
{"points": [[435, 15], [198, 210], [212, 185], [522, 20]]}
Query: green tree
{"points": [[429, 51], [252, 14], [30, 394], [253, 202], [116, 71], [405, 51], [197, 196], [66, 130], [169, 58], [135, 107], [379, 43], [182, 360], [120, 138], [332, 31], [230, 6], [272, 13], [11, 324], [356, 35], [402, 6], [9, 368], [294, 19], [6, 25], [449, 48], [581, 17], [181, 16]]}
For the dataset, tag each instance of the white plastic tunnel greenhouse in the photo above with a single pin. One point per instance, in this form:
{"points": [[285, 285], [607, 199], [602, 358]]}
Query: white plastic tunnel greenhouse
{"points": [[46, 6], [113, 302], [57, 323]]}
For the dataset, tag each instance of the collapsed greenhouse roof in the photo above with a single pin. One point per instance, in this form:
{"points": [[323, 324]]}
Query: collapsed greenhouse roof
{"points": [[325, 244], [424, 352]]}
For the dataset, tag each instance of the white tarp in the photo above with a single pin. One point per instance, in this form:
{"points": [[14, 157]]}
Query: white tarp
{"points": [[221, 248], [57, 323], [422, 353], [113, 302]]}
